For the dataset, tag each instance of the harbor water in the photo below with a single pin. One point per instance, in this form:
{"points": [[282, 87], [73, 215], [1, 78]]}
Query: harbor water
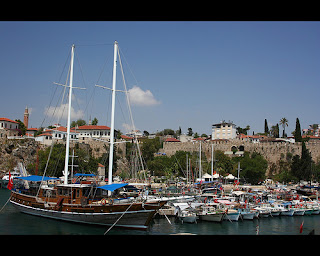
{"points": [[14, 222]]}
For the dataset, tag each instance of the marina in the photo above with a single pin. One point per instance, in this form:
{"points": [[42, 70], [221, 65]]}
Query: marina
{"points": [[226, 213], [17, 223]]}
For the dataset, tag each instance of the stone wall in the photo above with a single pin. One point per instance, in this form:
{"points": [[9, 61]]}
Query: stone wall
{"points": [[272, 151], [98, 147]]}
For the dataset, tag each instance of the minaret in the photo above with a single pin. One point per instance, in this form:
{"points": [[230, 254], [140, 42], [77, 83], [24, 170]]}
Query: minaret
{"points": [[26, 117]]}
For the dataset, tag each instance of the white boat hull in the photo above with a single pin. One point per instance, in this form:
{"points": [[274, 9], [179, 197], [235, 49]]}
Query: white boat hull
{"points": [[213, 217], [287, 213], [275, 213], [298, 212], [188, 219], [247, 215], [232, 216]]}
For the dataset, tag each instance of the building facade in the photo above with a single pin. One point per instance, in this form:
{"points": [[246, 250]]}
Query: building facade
{"points": [[223, 130], [93, 132], [8, 127]]}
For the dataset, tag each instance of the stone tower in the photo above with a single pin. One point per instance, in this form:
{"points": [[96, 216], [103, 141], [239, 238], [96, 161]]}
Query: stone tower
{"points": [[26, 117]]}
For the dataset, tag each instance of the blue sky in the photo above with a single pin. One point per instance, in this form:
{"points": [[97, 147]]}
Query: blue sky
{"points": [[197, 73]]}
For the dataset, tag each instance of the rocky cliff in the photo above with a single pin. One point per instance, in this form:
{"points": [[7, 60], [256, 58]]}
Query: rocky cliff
{"points": [[14, 151]]}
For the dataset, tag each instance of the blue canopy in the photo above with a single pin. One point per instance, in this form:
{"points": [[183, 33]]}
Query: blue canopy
{"points": [[113, 186], [84, 174], [36, 178]]}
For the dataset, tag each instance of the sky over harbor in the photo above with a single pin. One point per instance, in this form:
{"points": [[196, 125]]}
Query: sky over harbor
{"points": [[187, 74]]}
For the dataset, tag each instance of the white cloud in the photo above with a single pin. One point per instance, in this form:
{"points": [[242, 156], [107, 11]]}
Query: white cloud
{"points": [[140, 97], [62, 112]]}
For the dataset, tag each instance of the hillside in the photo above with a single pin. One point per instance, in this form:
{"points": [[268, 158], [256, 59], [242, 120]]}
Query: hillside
{"points": [[14, 151]]}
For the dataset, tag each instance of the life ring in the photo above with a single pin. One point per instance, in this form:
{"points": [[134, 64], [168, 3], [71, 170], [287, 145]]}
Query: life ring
{"points": [[74, 180], [103, 201]]}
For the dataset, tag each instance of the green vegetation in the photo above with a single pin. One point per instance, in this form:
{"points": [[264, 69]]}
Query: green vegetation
{"points": [[85, 161]]}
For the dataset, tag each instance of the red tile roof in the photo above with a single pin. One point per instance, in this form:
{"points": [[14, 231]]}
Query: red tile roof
{"points": [[32, 129], [44, 134], [310, 136], [199, 138], [126, 137], [172, 140], [93, 127], [7, 120]]}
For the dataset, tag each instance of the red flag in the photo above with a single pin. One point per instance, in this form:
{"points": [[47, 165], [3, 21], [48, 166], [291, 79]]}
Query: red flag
{"points": [[10, 183], [301, 227]]}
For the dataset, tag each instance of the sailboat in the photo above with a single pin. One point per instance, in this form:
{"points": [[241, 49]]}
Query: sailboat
{"points": [[84, 203]]}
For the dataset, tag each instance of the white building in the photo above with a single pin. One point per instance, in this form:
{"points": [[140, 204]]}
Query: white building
{"points": [[60, 133], [8, 127], [223, 130], [44, 139], [136, 133], [93, 132]]}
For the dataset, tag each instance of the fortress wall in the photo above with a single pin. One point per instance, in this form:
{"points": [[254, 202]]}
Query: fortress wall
{"points": [[272, 151]]}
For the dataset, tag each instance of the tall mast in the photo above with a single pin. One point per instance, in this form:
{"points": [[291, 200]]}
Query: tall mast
{"points": [[112, 111], [200, 169], [66, 162], [212, 162]]}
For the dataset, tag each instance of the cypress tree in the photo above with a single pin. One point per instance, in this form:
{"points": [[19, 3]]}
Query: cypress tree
{"points": [[266, 129], [277, 131], [297, 132], [306, 161]]}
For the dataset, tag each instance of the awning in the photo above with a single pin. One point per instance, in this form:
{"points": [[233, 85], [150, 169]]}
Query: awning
{"points": [[84, 174], [113, 186], [36, 178]]}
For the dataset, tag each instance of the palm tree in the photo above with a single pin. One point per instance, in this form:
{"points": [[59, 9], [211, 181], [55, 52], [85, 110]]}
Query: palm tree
{"points": [[284, 122]]}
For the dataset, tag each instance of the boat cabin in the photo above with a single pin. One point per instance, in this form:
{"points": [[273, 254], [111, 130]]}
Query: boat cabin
{"points": [[72, 193]]}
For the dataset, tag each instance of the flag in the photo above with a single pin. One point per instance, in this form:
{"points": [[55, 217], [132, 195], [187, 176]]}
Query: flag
{"points": [[10, 183], [301, 227]]}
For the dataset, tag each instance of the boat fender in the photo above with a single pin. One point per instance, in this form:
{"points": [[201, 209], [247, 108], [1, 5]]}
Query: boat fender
{"points": [[103, 201]]}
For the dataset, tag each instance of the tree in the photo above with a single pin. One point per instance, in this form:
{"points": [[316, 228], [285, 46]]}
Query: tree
{"points": [[149, 147], [301, 166], [297, 132], [274, 131], [22, 127], [85, 161], [79, 122], [266, 128], [306, 161], [94, 121], [190, 132], [284, 122], [243, 130], [253, 167], [178, 132]]}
